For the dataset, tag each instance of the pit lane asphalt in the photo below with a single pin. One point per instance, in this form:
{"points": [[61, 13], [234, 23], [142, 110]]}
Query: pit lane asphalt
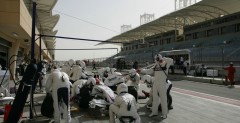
{"points": [[187, 108]]}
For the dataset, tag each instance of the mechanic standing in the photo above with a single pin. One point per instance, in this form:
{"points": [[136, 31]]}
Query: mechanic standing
{"points": [[134, 79], [58, 82], [149, 81], [231, 71], [160, 70], [75, 73]]}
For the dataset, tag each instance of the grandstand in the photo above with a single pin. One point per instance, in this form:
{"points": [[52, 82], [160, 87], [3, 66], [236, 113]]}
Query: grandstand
{"points": [[210, 29]]}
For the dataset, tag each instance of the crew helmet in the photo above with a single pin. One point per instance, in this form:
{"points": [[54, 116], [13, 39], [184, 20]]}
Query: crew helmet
{"points": [[101, 71], [82, 64], [107, 69], [71, 62], [78, 62], [132, 72], [66, 63], [113, 70], [121, 80], [44, 61], [158, 57], [146, 78], [122, 88], [91, 81]]}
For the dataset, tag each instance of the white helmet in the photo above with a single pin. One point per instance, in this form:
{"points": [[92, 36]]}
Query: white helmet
{"points": [[71, 62], [78, 62], [132, 72], [121, 80], [158, 57], [113, 70], [147, 79], [91, 81], [122, 88], [91, 74], [101, 71], [108, 69], [44, 61], [82, 64], [66, 63]]}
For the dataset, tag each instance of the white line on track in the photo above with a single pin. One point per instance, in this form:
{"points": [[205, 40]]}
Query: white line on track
{"points": [[207, 98]]}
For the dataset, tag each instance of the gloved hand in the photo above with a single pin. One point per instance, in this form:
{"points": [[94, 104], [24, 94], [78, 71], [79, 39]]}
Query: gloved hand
{"points": [[72, 98]]}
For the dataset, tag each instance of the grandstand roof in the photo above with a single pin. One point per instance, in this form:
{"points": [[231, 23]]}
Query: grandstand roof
{"points": [[46, 21], [199, 12]]}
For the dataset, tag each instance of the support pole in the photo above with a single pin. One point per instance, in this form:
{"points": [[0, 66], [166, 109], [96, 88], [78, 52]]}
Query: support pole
{"points": [[40, 49], [152, 55], [32, 53], [223, 75], [82, 39], [33, 29]]}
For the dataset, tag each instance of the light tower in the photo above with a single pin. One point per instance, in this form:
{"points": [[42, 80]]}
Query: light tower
{"points": [[179, 4], [145, 18], [125, 28]]}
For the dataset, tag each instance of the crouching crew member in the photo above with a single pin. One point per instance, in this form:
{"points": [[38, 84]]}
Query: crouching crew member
{"points": [[124, 105]]}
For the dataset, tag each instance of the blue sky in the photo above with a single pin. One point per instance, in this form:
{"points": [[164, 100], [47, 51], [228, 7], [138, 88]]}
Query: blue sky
{"points": [[104, 19]]}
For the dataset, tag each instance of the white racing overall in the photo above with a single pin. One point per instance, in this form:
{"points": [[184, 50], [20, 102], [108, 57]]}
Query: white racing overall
{"points": [[124, 105], [159, 90], [59, 83]]}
